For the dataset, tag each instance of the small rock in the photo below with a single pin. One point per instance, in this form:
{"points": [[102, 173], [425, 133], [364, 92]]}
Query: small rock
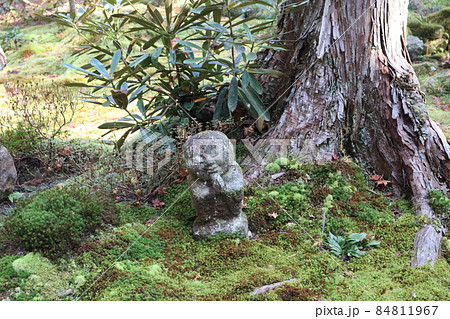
{"points": [[66, 293], [277, 175], [415, 47]]}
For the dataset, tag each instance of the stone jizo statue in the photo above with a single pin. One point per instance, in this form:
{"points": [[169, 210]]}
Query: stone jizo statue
{"points": [[216, 185]]}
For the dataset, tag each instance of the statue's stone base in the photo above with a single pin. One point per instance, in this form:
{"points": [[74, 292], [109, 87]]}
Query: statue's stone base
{"points": [[237, 225]]}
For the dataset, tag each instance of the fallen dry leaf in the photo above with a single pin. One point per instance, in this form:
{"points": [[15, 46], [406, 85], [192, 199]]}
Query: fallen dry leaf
{"points": [[375, 177], [274, 215], [383, 182], [157, 203]]}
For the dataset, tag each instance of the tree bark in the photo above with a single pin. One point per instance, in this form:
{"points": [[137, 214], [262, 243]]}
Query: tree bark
{"points": [[2, 59], [351, 90], [72, 6]]}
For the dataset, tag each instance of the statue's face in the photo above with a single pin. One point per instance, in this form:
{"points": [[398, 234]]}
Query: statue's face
{"points": [[208, 156]]}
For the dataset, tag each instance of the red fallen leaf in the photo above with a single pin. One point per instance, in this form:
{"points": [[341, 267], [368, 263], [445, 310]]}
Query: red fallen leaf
{"points": [[34, 182], [179, 181], [375, 177], [334, 157], [157, 203], [161, 190], [389, 194], [66, 150], [183, 172], [244, 204]]}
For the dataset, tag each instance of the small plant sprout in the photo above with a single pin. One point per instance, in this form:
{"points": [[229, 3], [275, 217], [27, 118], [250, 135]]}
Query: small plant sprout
{"points": [[352, 246]]}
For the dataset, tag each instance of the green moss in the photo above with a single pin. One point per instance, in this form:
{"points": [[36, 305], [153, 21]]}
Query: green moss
{"points": [[42, 279], [241, 152], [8, 275], [282, 161], [441, 17], [140, 214], [424, 68], [440, 56], [56, 220], [441, 205], [272, 168], [31, 264], [426, 31], [161, 260]]}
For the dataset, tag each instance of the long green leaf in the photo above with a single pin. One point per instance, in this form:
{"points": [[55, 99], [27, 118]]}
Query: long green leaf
{"points": [[137, 92], [70, 66], [221, 108], [115, 125], [256, 103], [191, 45], [99, 67], [254, 83], [233, 94], [115, 61], [247, 30], [139, 60], [151, 42]]}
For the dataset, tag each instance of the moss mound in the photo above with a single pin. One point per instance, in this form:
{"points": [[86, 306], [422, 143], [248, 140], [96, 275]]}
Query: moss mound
{"points": [[441, 17], [158, 259], [426, 31], [56, 220]]}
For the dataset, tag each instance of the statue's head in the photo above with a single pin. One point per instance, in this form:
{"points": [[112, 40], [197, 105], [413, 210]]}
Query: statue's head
{"points": [[208, 152]]}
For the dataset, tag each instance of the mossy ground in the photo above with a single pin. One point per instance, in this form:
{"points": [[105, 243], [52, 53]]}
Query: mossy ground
{"points": [[152, 255]]}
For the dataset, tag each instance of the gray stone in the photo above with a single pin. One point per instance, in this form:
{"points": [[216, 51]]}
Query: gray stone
{"points": [[8, 173], [415, 4], [415, 47], [216, 185]]}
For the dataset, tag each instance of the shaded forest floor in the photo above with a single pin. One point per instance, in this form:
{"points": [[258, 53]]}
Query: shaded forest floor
{"points": [[149, 253]]}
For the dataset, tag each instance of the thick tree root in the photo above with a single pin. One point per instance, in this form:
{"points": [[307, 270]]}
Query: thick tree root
{"points": [[427, 246]]}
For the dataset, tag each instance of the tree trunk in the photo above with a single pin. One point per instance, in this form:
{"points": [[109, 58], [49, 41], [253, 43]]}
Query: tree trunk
{"points": [[2, 59], [73, 8], [350, 90]]}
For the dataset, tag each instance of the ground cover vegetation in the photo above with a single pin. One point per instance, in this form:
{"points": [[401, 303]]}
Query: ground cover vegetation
{"points": [[83, 225]]}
